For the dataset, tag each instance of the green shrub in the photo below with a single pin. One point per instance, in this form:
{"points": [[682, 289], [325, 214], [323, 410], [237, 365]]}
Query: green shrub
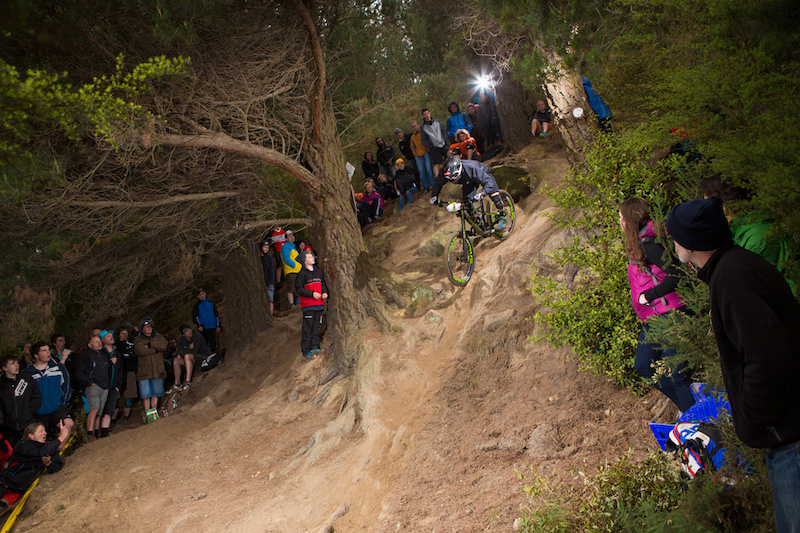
{"points": [[593, 313]]}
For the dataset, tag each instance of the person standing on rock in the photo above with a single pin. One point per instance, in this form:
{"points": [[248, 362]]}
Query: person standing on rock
{"points": [[310, 286], [756, 320]]}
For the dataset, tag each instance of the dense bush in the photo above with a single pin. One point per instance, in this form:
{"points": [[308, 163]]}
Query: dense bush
{"points": [[593, 313], [652, 495]]}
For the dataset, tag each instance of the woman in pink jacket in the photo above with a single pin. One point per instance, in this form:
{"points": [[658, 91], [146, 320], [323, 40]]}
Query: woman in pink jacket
{"points": [[653, 283]]}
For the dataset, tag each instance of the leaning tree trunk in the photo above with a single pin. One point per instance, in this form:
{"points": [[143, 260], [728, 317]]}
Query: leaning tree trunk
{"points": [[514, 118], [564, 94], [246, 303]]}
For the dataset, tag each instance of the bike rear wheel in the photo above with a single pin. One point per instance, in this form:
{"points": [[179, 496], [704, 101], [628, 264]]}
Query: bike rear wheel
{"points": [[509, 212], [459, 259]]}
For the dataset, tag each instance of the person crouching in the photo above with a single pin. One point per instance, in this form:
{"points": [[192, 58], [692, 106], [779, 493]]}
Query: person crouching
{"points": [[310, 286], [31, 454]]}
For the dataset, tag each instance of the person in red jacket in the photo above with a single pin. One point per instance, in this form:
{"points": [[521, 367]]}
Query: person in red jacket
{"points": [[310, 286]]}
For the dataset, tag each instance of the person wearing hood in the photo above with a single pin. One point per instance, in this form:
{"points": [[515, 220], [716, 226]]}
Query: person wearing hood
{"points": [[150, 347], [385, 155], [458, 120]]}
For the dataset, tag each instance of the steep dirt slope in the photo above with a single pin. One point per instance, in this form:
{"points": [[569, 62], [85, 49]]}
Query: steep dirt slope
{"points": [[430, 433]]}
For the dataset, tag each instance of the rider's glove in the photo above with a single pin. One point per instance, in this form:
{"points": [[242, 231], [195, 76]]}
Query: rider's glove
{"points": [[434, 200]]}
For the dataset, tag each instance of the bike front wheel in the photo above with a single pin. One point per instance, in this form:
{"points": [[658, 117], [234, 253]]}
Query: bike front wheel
{"points": [[508, 215], [459, 259]]}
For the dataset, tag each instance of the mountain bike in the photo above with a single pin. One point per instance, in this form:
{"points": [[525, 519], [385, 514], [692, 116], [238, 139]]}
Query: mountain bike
{"points": [[479, 218]]}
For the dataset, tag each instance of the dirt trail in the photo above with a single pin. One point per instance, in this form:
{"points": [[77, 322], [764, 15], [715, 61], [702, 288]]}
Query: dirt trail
{"points": [[430, 435]]}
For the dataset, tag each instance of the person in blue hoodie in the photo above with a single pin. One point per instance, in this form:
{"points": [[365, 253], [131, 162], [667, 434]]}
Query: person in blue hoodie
{"points": [[458, 120], [55, 389], [207, 320]]}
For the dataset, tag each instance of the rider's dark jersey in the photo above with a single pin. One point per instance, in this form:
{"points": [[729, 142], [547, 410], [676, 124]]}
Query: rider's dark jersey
{"points": [[474, 174]]}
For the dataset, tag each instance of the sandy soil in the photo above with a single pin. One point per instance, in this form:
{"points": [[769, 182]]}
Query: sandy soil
{"points": [[430, 434]]}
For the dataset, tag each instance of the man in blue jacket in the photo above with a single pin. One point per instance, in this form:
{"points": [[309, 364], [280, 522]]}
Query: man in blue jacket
{"points": [[52, 379], [458, 120], [207, 320]]}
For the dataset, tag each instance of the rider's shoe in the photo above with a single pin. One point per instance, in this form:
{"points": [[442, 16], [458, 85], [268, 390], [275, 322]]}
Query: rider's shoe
{"points": [[501, 223]]}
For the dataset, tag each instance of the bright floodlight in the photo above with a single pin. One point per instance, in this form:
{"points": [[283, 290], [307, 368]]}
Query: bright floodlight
{"points": [[484, 83]]}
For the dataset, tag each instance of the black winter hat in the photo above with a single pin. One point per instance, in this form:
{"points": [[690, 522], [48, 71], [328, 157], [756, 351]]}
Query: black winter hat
{"points": [[699, 225]]}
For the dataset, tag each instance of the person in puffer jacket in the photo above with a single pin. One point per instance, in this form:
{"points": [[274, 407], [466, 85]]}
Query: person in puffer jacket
{"points": [[310, 286], [653, 285]]}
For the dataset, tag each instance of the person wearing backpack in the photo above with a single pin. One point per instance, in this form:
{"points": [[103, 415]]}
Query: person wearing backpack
{"points": [[653, 283]]}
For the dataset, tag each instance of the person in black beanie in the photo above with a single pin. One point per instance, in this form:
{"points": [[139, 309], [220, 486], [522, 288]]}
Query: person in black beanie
{"points": [[756, 322]]}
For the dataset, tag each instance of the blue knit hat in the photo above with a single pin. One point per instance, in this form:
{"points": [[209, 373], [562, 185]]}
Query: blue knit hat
{"points": [[699, 225]]}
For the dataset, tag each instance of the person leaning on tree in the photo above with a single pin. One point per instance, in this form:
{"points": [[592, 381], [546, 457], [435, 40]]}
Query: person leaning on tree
{"points": [[756, 321], [310, 286]]}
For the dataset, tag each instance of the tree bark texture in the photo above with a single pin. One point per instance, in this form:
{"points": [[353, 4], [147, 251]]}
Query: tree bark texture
{"points": [[513, 109], [564, 93], [246, 306]]}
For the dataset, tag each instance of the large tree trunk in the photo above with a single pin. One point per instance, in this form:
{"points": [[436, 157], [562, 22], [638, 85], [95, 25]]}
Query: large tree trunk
{"points": [[514, 111], [565, 93], [246, 304], [359, 290]]}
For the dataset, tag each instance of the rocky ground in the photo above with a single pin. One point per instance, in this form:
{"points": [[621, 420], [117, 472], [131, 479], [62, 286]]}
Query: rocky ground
{"points": [[433, 432]]}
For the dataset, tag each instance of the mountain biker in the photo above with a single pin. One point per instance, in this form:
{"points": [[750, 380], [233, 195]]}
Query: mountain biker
{"points": [[471, 175]]}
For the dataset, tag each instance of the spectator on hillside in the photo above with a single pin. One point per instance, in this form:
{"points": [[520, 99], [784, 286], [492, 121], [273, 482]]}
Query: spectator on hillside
{"points": [[93, 376], [268, 269], [60, 351], [489, 120], [192, 350], [32, 454], [52, 380], [25, 353], [310, 285], [207, 319], [109, 412], [458, 120], [385, 155], [404, 144], [371, 205], [755, 319], [598, 106], [465, 147], [385, 188], [150, 347], [434, 138], [422, 158], [19, 399], [653, 282], [542, 120], [476, 131], [406, 183], [370, 166], [751, 231], [291, 266], [130, 390]]}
